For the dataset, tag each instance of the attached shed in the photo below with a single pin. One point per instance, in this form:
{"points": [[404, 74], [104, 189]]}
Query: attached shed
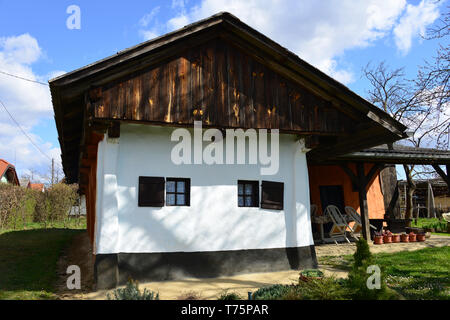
{"points": [[150, 218]]}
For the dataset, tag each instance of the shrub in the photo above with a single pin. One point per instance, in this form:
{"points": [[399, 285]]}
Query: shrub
{"points": [[327, 288], [132, 292], [358, 276], [225, 295], [61, 198], [10, 204], [362, 254], [190, 295], [274, 292]]}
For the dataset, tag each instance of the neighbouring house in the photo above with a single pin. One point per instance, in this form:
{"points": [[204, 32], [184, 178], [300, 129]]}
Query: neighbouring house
{"points": [[36, 186], [152, 218], [431, 197], [8, 173]]}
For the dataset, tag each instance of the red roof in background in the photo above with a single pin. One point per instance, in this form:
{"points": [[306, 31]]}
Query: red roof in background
{"points": [[4, 166], [35, 186]]}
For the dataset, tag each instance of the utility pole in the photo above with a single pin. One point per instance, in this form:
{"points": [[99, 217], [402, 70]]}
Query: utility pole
{"points": [[53, 171]]}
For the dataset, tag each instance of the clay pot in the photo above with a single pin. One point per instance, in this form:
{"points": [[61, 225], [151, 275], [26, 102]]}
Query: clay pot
{"points": [[412, 237], [396, 238], [404, 237], [378, 240], [420, 237], [387, 239]]}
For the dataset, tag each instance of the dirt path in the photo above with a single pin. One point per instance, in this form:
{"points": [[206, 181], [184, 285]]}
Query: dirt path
{"points": [[349, 248], [79, 253]]}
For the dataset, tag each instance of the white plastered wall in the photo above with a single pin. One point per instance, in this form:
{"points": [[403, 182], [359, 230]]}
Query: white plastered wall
{"points": [[213, 221]]}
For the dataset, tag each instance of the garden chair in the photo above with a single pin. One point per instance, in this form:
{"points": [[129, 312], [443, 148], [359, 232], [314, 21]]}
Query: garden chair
{"points": [[354, 216], [340, 225]]}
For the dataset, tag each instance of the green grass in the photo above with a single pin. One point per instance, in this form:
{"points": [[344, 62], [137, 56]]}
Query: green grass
{"points": [[421, 274], [438, 225], [28, 262], [71, 223]]}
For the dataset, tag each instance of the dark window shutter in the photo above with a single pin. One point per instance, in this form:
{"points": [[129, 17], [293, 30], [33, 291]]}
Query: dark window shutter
{"points": [[272, 195], [188, 192], [151, 191]]}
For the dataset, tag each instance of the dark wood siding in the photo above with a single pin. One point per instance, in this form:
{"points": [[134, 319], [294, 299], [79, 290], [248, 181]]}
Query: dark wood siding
{"points": [[222, 86]]}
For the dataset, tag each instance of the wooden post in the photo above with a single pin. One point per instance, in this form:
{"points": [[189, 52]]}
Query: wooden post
{"points": [[363, 207]]}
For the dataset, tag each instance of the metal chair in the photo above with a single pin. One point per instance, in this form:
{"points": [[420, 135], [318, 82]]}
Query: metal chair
{"points": [[354, 216]]}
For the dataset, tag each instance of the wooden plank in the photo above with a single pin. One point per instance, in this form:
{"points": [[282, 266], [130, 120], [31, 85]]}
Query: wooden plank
{"points": [[363, 206], [208, 107]]}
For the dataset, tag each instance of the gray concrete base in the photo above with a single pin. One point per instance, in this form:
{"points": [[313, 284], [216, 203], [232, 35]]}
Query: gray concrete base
{"points": [[115, 269]]}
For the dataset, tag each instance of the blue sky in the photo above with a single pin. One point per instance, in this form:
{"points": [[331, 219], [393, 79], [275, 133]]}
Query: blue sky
{"points": [[339, 37]]}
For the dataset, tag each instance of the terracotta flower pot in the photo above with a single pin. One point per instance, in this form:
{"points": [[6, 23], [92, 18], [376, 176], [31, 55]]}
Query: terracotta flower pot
{"points": [[387, 239], [412, 237], [396, 238], [420, 237], [404, 237], [378, 240]]}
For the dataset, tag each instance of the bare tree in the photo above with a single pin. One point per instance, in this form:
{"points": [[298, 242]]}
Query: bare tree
{"points": [[415, 104]]}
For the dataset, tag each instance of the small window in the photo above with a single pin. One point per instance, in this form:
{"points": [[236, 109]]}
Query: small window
{"points": [[151, 192], [178, 192], [248, 193], [272, 195]]}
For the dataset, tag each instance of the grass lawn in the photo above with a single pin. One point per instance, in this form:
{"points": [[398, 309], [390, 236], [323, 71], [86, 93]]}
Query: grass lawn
{"points": [[421, 274], [438, 225], [71, 223], [28, 262]]}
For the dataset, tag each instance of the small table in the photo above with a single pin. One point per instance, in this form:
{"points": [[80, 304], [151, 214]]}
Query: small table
{"points": [[321, 220]]}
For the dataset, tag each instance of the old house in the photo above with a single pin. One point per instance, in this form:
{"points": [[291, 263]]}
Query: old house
{"points": [[151, 217]]}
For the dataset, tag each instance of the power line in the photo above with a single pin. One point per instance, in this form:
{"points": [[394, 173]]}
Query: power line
{"points": [[23, 131], [22, 78]]}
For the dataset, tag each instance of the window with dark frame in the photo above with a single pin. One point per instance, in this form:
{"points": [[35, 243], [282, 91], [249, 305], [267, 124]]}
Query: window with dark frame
{"points": [[151, 192], [248, 193], [272, 195], [178, 192]]}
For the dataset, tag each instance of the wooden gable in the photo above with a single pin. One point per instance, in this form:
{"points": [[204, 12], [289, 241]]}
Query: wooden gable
{"points": [[220, 85]]}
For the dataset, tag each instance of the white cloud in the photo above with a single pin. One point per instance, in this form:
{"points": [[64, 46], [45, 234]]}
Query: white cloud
{"points": [[146, 19], [28, 102], [414, 22], [317, 31]]}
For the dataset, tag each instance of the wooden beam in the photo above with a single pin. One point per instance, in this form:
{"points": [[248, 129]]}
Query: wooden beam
{"points": [[374, 170], [443, 175], [351, 175], [363, 206]]}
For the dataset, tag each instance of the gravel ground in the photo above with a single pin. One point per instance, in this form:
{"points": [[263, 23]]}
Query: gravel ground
{"points": [[212, 288]]}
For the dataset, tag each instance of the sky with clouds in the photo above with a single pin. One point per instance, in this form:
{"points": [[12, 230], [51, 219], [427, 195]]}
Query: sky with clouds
{"points": [[338, 37]]}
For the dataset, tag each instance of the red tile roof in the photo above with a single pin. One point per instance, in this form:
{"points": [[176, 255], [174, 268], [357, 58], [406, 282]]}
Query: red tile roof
{"points": [[35, 186], [5, 166]]}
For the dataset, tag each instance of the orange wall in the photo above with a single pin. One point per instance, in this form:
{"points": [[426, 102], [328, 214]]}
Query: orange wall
{"points": [[333, 176]]}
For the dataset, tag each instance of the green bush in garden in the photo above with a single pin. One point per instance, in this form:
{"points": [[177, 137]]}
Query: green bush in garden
{"points": [[225, 295], [273, 292], [132, 292]]}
